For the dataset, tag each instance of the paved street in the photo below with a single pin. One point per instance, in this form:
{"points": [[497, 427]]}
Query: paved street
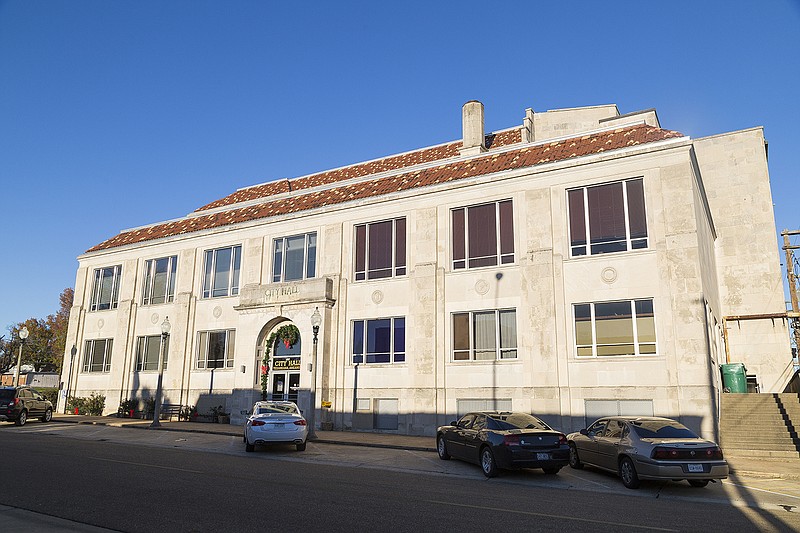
{"points": [[138, 480]]}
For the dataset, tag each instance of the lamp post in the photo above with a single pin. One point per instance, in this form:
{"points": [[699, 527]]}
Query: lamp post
{"points": [[23, 334], [165, 327], [316, 321], [72, 354]]}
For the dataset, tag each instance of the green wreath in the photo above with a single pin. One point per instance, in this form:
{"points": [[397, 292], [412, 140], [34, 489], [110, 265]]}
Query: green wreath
{"points": [[289, 334]]}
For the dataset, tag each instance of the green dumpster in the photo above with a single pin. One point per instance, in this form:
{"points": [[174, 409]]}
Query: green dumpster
{"points": [[734, 377]]}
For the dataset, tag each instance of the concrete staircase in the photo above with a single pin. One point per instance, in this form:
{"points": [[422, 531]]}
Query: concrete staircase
{"points": [[761, 426]]}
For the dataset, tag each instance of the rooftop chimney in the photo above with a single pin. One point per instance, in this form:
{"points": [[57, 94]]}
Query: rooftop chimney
{"points": [[472, 126]]}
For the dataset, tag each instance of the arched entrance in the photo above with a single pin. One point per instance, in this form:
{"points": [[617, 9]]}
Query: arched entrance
{"points": [[283, 369]]}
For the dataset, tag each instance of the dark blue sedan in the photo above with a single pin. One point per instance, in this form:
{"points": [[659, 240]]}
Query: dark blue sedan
{"points": [[505, 440]]}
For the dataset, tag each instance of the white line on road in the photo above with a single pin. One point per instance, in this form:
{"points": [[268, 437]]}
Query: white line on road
{"points": [[560, 517], [762, 490], [151, 466]]}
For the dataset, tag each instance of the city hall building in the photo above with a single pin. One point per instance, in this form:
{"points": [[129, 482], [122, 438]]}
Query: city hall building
{"points": [[583, 263]]}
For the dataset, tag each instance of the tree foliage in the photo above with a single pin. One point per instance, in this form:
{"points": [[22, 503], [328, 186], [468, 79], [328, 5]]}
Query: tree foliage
{"points": [[46, 342]]}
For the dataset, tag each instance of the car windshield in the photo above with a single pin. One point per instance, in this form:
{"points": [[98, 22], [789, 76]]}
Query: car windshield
{"points": [[6, 394], [273, 408], [662, 429], [506, 421]]}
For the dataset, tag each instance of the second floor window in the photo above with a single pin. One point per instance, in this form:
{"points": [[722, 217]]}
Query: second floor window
{"points": [[97, 355], [294, 257], [105, 290], [159, 280], [381, 249], [221, 275], [607, 329], [485, 335], [215, 349], [148, 350], [381, 340], [483, 235], [607, 218]]}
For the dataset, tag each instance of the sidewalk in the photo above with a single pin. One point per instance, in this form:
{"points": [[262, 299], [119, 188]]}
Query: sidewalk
{"points": [[740, 467]]}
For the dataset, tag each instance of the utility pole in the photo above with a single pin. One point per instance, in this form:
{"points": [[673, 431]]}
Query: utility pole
{"points": [[795, 314]]}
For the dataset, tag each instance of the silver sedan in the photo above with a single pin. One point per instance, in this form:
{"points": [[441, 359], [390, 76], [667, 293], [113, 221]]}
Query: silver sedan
{"points": [[275, 422], [639, 448]]}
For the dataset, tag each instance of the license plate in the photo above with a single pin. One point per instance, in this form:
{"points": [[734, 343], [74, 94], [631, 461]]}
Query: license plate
{"points": [[279, 425], [542, 456], [695, 468]]}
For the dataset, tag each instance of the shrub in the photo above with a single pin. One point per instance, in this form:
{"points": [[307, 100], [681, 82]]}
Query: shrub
{"points": [[93, 405], [50, 393]]}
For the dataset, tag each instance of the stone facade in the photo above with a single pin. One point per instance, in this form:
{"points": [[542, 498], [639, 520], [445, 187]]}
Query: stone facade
{"points": [[711, 254]]}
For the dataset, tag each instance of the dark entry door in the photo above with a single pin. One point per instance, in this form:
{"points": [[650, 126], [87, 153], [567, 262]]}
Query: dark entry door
{"points": [[278, 386], [294, 386]]}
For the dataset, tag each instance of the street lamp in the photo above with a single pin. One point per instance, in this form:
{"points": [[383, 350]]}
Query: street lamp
{"points": [[165, 327], [23, 334], [316, 321]]}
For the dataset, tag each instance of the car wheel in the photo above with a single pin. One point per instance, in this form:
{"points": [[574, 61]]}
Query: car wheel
{"points": [[488, 465], [574, 460], [248, 447], [441, 448], [551, 470], [301, 447], [628, 473], [699, 483], [47, 416], [22, 418]]}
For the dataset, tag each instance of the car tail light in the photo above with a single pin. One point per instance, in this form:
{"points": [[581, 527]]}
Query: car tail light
{"points": [[300, 422], [562, 439], [14, 402], [511, 440], [714, 453], [257, 423], [664, 453]]}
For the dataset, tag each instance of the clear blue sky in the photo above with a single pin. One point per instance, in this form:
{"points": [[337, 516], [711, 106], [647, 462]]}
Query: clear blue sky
{"points": [[119, 114]]}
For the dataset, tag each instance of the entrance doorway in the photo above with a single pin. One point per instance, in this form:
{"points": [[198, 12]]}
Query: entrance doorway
{"points": [[285, 386]]}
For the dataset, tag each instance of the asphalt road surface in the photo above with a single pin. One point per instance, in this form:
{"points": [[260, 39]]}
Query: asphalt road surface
{"points": [[64, 477]]}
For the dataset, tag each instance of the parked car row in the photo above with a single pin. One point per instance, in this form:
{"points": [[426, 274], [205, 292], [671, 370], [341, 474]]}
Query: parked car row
{"points": [[634, 448]]}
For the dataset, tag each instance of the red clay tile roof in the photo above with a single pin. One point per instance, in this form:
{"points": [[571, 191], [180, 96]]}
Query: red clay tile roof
{"points": [[525, 156], [427, 155]]}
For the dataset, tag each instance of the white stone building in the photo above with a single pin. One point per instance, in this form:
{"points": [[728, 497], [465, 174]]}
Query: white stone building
{"points": [[580, 264]]}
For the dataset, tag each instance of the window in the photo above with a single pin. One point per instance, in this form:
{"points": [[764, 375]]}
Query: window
{"points": [[615, 328], [97, 355], [159, 280], [294, 257], [215, 349], [105, 292], [609, 217], [483, 235], [485, 335], [222, 272], [148, 350], [381, 340], [381, 249]]}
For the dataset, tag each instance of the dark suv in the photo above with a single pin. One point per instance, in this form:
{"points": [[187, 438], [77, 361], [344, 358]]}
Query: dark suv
{"points": [[18, 404]]}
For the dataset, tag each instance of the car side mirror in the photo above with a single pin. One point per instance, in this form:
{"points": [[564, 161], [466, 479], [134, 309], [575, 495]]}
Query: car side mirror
{"points": [[453, 423], [584, 432]]}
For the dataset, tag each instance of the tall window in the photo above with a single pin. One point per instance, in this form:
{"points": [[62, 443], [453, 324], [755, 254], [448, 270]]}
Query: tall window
{"points": [[159, 280], [483, 235], [222, 272], [294, 257], [215, 349], [615, 328], [105, 291], [381, 340], [147, 352], [609, 217], [97, 355], [485, 335], [381, 249]]}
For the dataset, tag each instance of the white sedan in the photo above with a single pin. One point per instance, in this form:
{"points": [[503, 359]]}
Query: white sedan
{"points": [[275, 422]]}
